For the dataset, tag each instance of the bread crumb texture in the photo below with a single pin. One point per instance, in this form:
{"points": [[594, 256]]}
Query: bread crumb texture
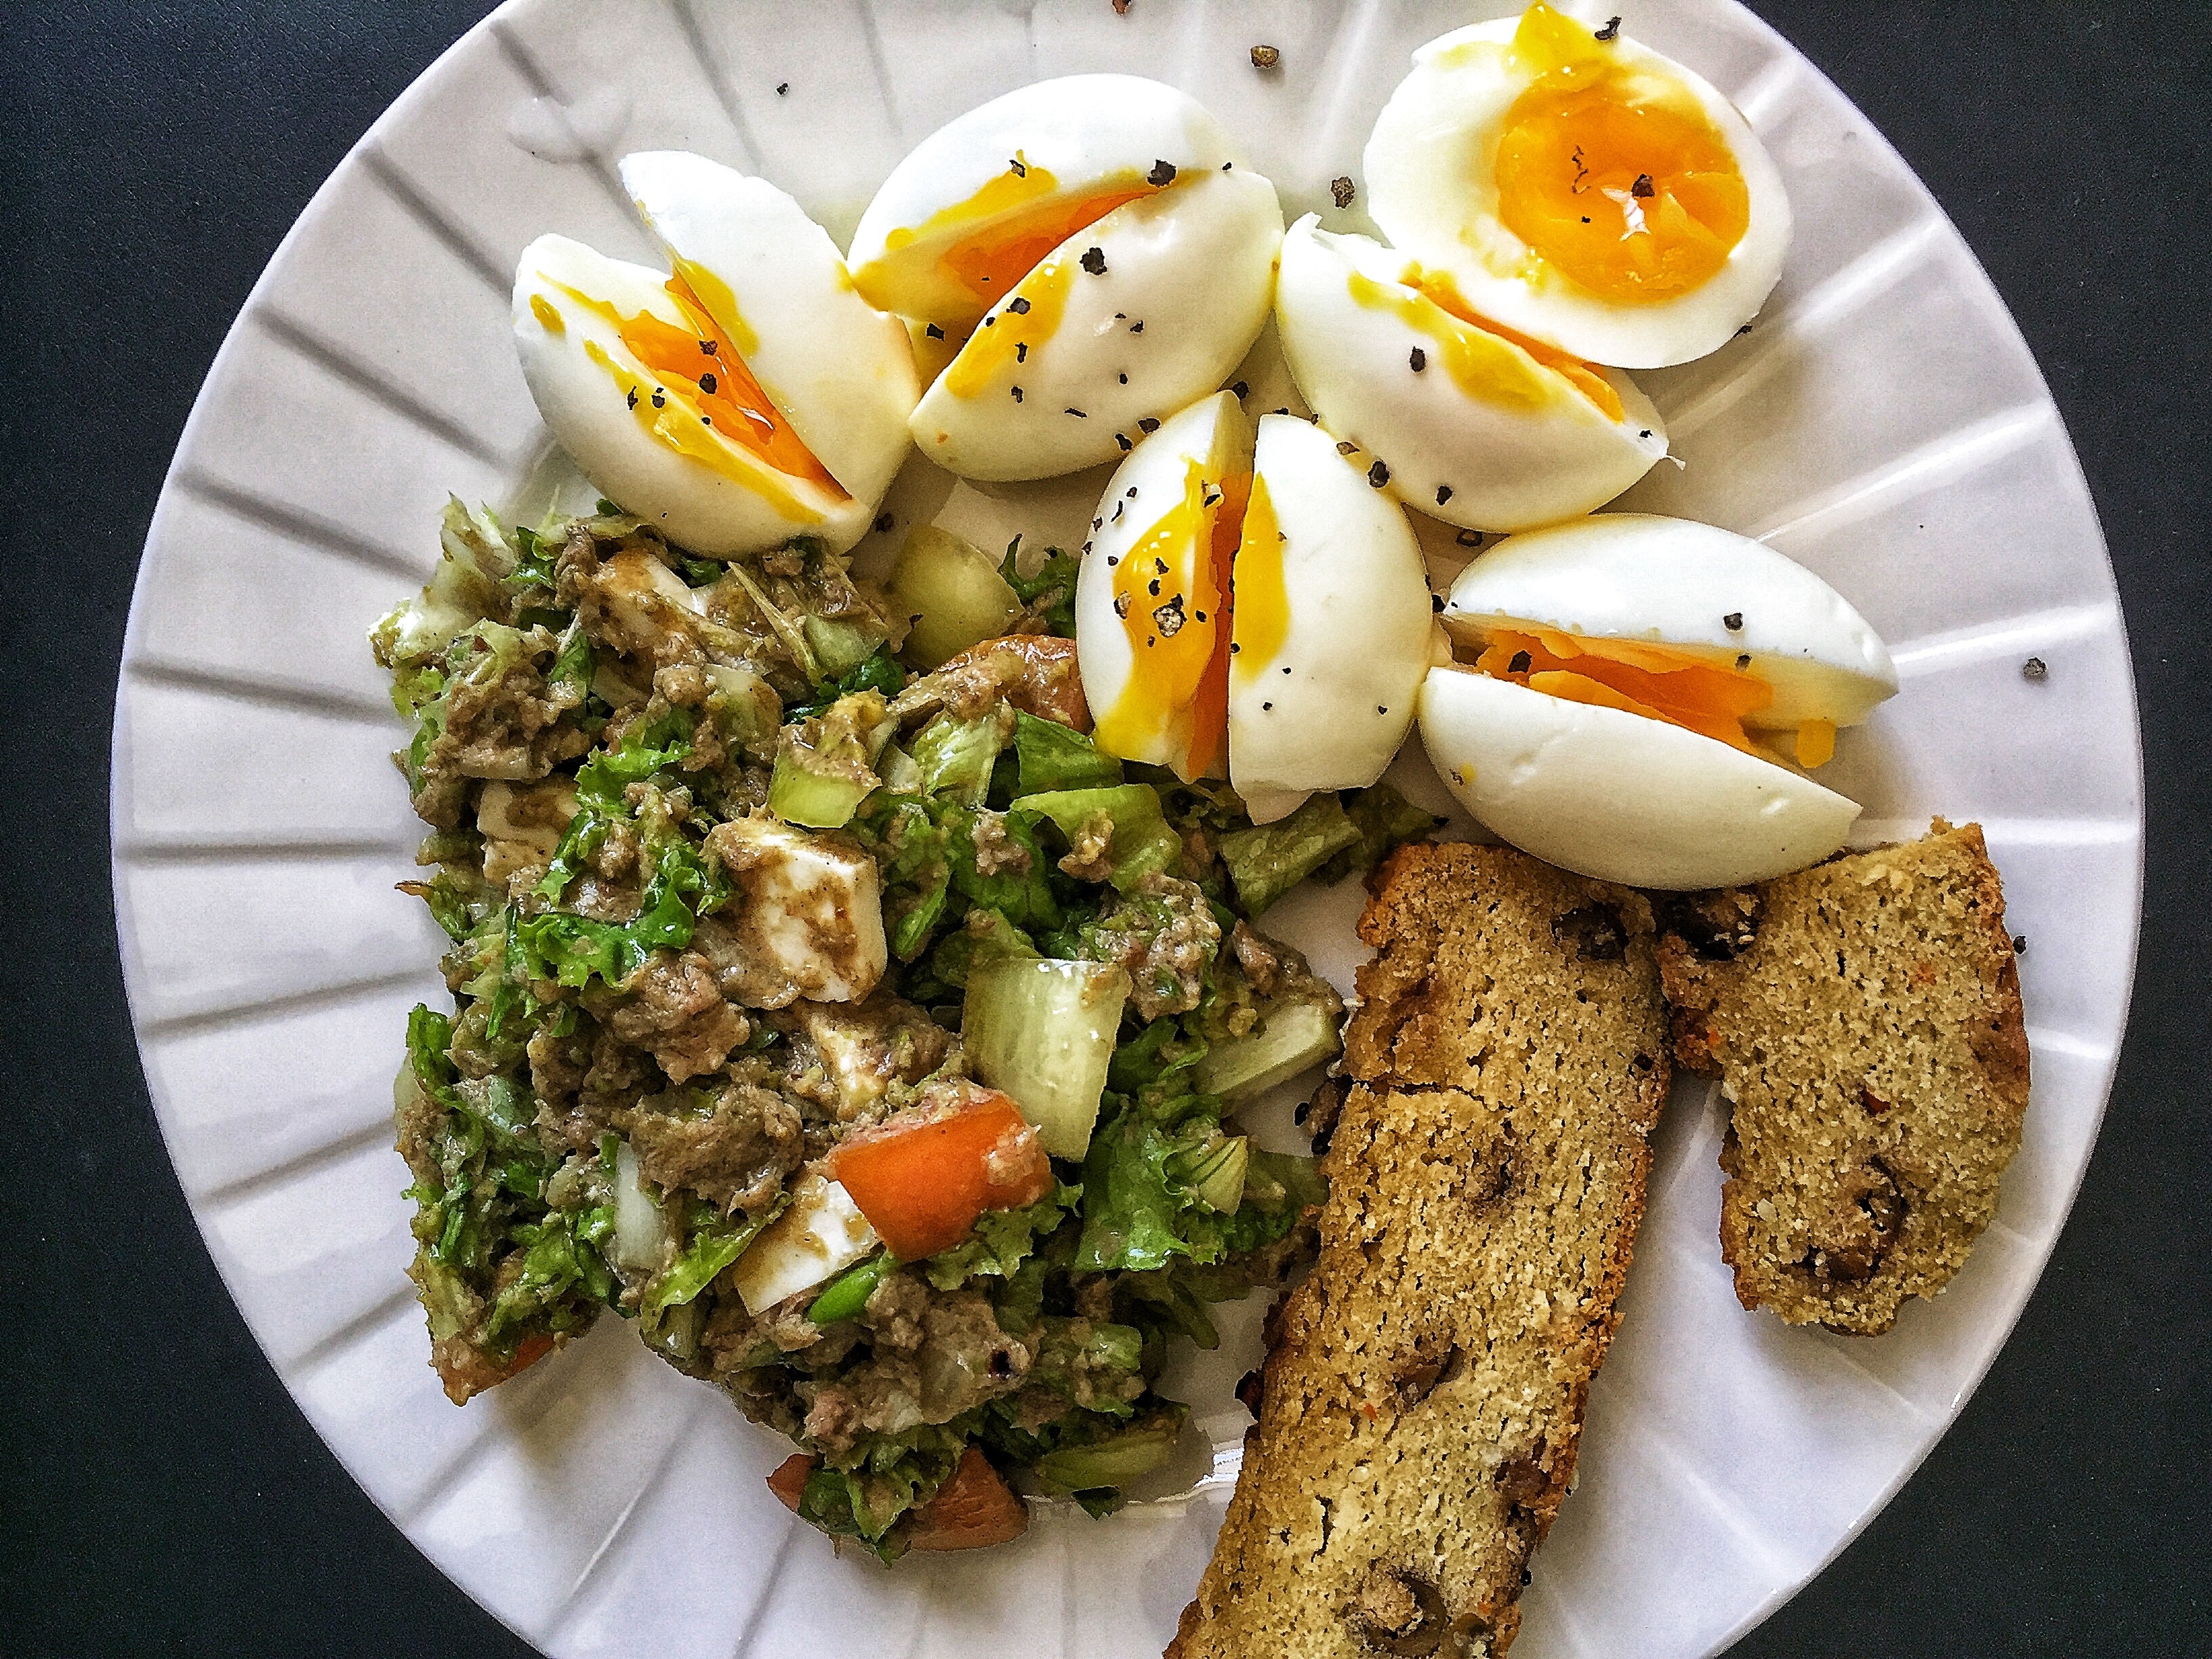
{"points": [[1864, 1019], [1424, 1388]]}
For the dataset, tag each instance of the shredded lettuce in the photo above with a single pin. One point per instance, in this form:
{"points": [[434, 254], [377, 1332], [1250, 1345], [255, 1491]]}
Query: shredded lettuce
{"points": [[572, 949], [1143, 1211], [879, 672], [714, 1243], [1047, 592], [1003, 1240]]}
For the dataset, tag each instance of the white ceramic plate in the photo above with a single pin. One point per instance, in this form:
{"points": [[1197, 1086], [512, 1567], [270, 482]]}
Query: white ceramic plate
{"points": [[1883, 423]]}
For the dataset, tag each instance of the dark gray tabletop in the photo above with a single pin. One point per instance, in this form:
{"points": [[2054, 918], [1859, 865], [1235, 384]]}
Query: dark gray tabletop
{"points": [[159, 1492]]}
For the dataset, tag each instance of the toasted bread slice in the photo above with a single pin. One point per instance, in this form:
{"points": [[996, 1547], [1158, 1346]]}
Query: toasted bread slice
{"points": [[1864, 1019], [1423, 1392]]}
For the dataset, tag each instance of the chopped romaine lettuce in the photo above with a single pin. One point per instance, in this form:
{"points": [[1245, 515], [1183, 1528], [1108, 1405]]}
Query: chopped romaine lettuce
{"points": [[1052, 756], [1048, 593], [1141, 841], [956, 756], [1264, 862], [1384, 818], [714, 1243]]}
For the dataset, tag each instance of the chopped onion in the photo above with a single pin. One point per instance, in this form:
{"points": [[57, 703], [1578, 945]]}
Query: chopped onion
{"points": [[641, 1230]]}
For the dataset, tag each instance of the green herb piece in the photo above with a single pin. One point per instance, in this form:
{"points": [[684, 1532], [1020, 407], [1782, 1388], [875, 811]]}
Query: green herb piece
{"points": [[849, 1291]]}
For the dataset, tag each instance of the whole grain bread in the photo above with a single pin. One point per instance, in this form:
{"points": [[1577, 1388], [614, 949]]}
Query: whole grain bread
{"points": [[1423, 1392], [1864, 1019]]}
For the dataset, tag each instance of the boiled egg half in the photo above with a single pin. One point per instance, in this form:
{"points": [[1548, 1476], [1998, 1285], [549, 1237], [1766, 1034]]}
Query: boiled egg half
{"points": [[747, 397], [1089, 254], [1477, 425], [1580, 188], [1629, 691], [1256, 600]]}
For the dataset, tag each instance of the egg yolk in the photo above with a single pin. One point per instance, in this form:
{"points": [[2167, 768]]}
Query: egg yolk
{"points": [[1261, 619], [1658, 682], [1614, 174], [1022, 218], [1172, 592], [1008, 337], [703, 399], [1488, 360]]}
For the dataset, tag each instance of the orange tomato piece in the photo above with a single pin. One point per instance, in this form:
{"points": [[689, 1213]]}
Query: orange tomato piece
{"points": [[974, 1508], [467, 1371], [788, 1480], [922, 1177]]}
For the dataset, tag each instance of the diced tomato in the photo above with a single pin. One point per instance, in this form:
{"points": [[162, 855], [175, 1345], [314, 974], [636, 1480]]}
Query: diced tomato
{"points": [[974, 1508], [923, 1176], [1040, 679], [467, 1371], [789, 1479]]}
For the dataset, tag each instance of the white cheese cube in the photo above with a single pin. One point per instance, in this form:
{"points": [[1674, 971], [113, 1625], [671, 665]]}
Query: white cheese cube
{"points": [[820, 1234]]}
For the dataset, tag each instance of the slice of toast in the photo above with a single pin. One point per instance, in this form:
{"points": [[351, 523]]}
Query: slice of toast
{"points": [[1864, 1019], [1423, 1391]]}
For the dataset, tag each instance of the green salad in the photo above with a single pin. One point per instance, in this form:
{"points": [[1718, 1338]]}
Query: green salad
{"points": [[826, 1005]]}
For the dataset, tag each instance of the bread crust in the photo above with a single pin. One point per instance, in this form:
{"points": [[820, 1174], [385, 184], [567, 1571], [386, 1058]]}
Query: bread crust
{"points": [[1422, 1398], [1864, 1017]]}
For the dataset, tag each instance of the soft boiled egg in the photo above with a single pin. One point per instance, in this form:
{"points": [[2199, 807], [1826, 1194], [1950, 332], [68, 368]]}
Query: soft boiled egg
{"points": [[1267, 598], [1627, 684], [1091, 257], [1477, 425], [1152, 611], [749, 397], [979, 202], [1580, 188], [1331, 624]]}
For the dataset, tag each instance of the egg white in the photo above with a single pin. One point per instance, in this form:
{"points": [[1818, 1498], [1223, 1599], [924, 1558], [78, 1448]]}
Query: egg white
{"points": [[1187, 275], [1521, 447], [1430, 186], [741, 506], [1330, 705], [840, 371], [1087, 133], [1619, 797], [1212, 434], [1669, 581]]}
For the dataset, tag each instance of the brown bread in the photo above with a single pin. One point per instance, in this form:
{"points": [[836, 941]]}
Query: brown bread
{"points": [[1864, 1019], [1424, 1389]]}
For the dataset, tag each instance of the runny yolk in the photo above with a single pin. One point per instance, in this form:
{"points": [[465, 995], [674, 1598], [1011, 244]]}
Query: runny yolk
{"points": [[1021, 217], [1655, 681], [1262, 618], [1613, 174], [702, 390], [1171, 592], [1479, 355], [1011, 336]]}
